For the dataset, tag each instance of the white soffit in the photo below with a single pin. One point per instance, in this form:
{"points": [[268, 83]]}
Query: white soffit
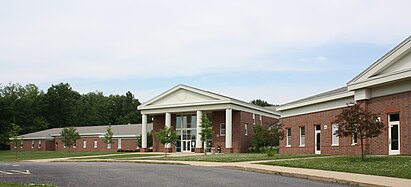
{"points": [[393, 66]]}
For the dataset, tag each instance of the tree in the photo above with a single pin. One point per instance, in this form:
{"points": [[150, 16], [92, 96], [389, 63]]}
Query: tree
{"points": [[108, 137], [167, 136], [268, 135], [206, 131], [69, 137], [356, 121], [260, 102], [14, 139]]}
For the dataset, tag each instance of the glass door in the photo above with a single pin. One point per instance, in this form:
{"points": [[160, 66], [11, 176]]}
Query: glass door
{"points": [[318, 139], [186, 146], [394, 134]]}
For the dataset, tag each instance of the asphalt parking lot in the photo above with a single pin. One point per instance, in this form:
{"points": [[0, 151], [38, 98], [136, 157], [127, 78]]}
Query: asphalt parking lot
{"points": [[73, 174]]}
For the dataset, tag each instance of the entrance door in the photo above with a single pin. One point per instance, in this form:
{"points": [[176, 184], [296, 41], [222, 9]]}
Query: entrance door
{"points": [[186, 146], [318, 139], [394, 134]]}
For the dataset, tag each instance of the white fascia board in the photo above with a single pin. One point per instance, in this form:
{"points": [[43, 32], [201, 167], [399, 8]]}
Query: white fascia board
{"points": [[37, 138], [182, 105], [315, 101], [185, 108], [259, 112], [313, 111], [122, 136], [81, 134], [381, 79], [222, 105]]}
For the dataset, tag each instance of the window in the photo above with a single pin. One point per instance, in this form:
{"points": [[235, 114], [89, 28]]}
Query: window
{"points": [[75, 145], [246, 129], [84, 144], [302, 136], [253, 119], [119, 144], [39, 144], [95, 144], [21, 145], [261, 119], [222, 129], [354, 139], [288, 137], [109, 146], [32, 144], [64, 145], [335, 138]]}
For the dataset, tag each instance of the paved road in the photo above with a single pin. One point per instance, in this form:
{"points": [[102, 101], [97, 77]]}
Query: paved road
{"points": [[73, 174]]}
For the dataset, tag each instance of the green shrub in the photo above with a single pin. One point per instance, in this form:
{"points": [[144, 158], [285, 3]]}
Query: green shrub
{"points": [[271, 151]]}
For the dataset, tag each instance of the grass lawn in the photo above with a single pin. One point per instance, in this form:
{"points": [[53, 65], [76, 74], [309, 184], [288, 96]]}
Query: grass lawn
{"points": [[9, 156], [392, 166], [4, 184], [235, 157], [120, 157]]}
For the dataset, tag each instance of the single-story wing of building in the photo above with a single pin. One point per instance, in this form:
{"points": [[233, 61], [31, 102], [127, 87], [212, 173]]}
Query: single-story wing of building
{"points": [[181, 108], [384, 88], [92, 139]]}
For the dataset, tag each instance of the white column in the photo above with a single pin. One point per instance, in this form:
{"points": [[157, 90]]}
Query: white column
{"points": [[168, 124], [228, 128], [199, 129], [144, 131]]}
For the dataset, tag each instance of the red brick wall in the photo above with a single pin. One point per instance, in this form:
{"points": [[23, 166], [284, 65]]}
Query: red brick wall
{"points": [[126, 144], [27, 145], [241, 142], [379, 145], [309, 121]]}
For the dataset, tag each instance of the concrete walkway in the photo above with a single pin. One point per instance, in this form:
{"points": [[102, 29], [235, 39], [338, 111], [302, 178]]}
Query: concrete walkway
{"points": [[322, 175]]}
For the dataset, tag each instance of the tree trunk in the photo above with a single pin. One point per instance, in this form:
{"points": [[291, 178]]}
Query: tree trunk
{"points": [[362, 147]]}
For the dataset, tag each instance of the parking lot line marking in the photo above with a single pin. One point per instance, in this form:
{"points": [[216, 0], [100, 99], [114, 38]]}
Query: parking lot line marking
{"points": [[27, 172], [4, 172]]}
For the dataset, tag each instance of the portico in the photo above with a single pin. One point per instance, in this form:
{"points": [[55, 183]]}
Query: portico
{"points": [[182, 107]]}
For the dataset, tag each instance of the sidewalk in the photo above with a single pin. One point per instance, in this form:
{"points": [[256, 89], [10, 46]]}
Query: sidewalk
{"points": [[322, 175]]}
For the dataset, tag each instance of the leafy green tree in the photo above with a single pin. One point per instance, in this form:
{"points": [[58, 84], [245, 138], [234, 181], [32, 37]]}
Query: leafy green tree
{"points": [[355, 120], [167, 136], [108, 137], [206, 131], [14, 139], [260, 102], [61, 101], [268, 135], [69, 137]]}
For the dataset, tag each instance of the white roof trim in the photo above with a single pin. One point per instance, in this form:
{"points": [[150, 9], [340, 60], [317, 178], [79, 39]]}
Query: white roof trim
{"points": [[314, 111], [392, 56], [145, 108], [315, 101]]}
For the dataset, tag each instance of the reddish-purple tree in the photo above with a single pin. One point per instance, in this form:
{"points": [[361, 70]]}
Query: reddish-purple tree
{"points": [[356, 121]]}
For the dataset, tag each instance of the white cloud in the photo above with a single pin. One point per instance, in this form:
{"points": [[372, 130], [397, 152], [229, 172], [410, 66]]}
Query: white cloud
{"points": [[109, 39]]}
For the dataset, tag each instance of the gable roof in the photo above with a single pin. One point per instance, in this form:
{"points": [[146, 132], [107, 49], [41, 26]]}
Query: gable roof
{"points": [[183, 96], [386, 69], [132, 130]]}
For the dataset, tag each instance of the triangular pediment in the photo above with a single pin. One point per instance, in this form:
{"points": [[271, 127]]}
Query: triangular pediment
{"points": [[395, 65], [182, 94]]}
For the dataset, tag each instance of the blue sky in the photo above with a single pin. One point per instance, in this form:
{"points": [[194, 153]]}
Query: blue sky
{"points": [[278, 51]]}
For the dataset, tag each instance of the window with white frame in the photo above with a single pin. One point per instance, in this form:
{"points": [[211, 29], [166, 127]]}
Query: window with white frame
{"points": [[119, 143], [95, 144], [289, 137], [261, 119], [39, 144], [222, 129], [335, 138], [302, 136], [32, 144], [64, 145], [253, 119], [354, 139], [246, 129], [108, 145], [75, 145], [84, 144], [21, 144]]}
